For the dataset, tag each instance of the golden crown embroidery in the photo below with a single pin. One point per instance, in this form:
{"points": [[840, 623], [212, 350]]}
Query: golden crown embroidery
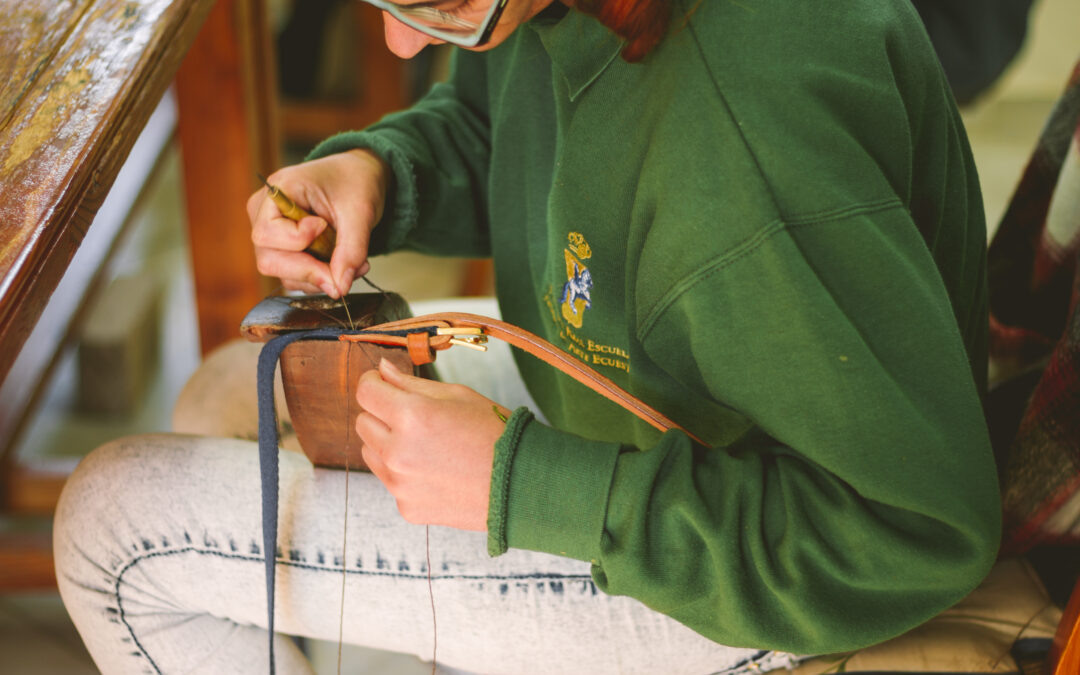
{"points": [[576, 293]]}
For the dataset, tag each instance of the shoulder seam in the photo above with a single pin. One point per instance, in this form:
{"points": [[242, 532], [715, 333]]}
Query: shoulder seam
{"points": [[748, 246]]}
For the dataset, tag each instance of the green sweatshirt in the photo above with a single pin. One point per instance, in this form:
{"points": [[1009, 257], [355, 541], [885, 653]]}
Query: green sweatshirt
{"points": [[771, 230]]}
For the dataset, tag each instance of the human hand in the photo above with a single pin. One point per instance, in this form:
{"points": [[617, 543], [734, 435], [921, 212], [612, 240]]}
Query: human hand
{"points": [[431, 444], [347, 191]]}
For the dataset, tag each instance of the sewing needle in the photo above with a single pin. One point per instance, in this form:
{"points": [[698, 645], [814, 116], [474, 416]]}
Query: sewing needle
{"points": [[345, 304]]}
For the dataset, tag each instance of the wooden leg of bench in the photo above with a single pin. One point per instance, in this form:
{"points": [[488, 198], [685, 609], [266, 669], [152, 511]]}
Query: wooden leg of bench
{"points": [[33, 489], [227, 126], [26, 559], [26, 562]]}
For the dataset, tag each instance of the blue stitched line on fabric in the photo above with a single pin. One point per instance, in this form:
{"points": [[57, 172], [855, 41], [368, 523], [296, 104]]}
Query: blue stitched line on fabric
{"points": [[421, 576], [753, 659], [316, 568]]}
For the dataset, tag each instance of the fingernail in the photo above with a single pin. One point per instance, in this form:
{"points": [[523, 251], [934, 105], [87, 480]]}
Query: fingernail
{"points": [[329, 290], [346, 279], [385, 363]]}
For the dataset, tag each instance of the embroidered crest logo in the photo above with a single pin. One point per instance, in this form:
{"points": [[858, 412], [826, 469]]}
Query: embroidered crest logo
{"points": [[576, 296]]}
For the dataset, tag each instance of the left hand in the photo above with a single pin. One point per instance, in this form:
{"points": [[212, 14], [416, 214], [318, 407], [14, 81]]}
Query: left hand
{"points": [[431, 444]]}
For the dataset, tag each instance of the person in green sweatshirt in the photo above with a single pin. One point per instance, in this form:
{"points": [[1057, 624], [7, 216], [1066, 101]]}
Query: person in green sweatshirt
{"points": [[761, 218]]}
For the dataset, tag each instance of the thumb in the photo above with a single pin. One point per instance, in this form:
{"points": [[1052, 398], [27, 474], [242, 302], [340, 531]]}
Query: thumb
{"points": [[314, 230], [408, 382]]}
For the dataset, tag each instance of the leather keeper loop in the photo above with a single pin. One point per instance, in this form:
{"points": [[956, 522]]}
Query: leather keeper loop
{"points": [[419, 348]]}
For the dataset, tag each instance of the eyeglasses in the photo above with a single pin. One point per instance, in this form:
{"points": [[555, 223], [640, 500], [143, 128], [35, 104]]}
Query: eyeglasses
{"points": [[442, 24]]}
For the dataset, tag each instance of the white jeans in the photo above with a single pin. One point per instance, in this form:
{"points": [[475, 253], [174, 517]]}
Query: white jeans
{"points": [[159, 562]]}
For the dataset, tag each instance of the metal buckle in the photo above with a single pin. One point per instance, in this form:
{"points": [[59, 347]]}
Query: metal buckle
{"points": [[470, 337]]}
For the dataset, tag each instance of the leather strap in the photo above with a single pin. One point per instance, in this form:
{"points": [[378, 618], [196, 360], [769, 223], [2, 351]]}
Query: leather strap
{"points": [[421, 335], [268, 458]]}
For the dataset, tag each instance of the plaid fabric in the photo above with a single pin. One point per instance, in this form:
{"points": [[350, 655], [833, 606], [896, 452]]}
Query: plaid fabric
{"points": [[1035, 337]]}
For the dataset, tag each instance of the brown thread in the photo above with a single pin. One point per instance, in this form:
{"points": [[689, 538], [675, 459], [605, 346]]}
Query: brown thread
{"points": [[431, 597], [345, 519], [345, 536]]}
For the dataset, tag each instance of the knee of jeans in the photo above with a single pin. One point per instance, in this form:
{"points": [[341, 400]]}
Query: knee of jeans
{"points": [[91, 499]]}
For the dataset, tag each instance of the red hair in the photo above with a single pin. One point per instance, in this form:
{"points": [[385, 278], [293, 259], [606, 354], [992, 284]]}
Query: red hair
{"points": [[642, 23]]}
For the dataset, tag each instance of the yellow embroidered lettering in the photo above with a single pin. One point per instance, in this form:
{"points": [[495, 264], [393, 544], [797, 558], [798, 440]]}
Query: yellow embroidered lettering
{"points": [[610, 362]]}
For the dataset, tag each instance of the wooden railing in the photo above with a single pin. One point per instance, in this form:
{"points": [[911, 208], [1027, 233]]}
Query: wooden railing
{"points": [[78, 81]]}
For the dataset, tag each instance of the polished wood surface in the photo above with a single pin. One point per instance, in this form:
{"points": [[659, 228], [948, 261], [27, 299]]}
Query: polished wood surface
{"points": [[73, 98], [28, 379]]}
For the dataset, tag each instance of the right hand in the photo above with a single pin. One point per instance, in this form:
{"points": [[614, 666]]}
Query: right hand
{"points": [[346, 190]]}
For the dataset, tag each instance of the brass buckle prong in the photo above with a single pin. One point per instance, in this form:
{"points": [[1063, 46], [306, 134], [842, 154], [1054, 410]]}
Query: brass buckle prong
{"points": [[473, 343]]}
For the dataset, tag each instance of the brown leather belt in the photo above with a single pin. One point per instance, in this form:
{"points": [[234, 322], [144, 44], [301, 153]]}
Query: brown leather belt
{"points": [[424, 335]]}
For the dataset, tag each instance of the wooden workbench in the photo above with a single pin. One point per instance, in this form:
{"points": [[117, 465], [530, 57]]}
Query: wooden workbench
{"points": [[78, 81]]}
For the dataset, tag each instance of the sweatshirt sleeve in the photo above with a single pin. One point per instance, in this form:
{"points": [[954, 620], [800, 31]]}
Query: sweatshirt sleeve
{"points": [[862, 501], [439, 152]]}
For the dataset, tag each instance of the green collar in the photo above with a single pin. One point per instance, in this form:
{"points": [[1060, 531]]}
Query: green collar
{"points": [[579, 46]]}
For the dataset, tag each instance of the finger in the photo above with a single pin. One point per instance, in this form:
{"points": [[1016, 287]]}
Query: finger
{"points": [[288, 235], [354, 225], [261, 212], [417, 385], [372, 430], [299, 184], [380, 398], [374, 435], [254, 204], [294, 266], [375, 465], [300, 286], [309, 228]]}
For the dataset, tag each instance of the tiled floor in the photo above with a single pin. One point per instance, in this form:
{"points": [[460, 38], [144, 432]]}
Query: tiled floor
{"points": [[36, 637]]}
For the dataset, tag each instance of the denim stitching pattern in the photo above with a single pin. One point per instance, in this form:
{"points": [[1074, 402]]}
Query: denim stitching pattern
{"points": [[322, 568]]}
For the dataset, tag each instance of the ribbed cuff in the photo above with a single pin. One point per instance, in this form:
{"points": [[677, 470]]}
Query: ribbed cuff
{"points": [[555, 496], [400, 212], [505, 448]]}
